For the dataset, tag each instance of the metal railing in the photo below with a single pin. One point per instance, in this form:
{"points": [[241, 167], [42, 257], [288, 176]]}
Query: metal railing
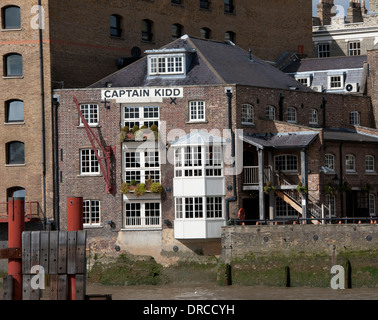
{"points": [[32, 211], [251, 175]]}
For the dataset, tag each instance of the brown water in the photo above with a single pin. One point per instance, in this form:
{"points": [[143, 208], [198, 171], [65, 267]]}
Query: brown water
{"points": [[234, 292]]}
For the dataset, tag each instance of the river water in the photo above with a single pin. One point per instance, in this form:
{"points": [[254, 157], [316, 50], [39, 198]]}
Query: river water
{"points": [[234, 292]]}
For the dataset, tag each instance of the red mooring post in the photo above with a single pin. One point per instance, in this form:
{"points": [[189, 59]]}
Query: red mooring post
{"points": [[16, 225], [74, 223]]}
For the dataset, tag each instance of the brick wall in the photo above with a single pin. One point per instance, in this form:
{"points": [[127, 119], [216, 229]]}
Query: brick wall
{"points": [[25, 41], [83, 52]]}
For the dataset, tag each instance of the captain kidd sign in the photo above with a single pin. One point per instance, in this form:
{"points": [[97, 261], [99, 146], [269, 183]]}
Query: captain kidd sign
{"points": [[152, 94]]}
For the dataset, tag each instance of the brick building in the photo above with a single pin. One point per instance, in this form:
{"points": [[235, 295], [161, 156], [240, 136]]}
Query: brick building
{"points": [[340, 33], [197, 130], [69, 44]]}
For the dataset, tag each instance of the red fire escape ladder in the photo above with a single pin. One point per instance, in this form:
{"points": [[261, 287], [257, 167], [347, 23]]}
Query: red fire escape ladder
{"points": [[106, 151]]}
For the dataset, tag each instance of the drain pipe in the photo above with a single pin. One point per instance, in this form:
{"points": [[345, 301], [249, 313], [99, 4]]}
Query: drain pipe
{"points": [[234, 197], [55, 104], [42, 109]]}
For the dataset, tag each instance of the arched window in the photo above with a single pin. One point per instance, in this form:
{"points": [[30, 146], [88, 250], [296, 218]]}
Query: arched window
{"points": [[115, 25], [13, 65], [11, 16], [330, 161], [15, 151], [350, 163], [369, 163], [291, 114], [176, 31], [229, 36], [313, 116], [147, 30], [248, 114], [16, 192], [270, 113], [14, 111], [205, 33]]}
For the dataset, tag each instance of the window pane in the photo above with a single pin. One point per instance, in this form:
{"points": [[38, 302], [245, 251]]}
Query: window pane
{"points": [[15, 111], [13, 65], [16, 153], [12, 18]]}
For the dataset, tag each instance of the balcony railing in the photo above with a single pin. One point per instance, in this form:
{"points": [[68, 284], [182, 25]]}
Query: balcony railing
{"points": [[251, 175], [32, 211]]}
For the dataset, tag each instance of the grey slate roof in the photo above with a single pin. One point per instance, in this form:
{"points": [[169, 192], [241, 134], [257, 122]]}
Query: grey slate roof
{"points": [[288, 140], [347, 135], [332, 63], [214, 63]]}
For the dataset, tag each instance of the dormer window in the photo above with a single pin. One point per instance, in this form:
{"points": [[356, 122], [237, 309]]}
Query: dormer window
{"points": [[168, 62], [167, 65]]}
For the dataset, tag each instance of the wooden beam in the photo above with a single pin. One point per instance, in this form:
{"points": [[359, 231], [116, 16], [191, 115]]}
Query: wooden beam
{"points": [[11, 253], [291, 202]]}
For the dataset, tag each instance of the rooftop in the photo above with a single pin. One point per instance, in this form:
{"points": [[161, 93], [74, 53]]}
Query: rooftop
{"points": [[213, 63]]}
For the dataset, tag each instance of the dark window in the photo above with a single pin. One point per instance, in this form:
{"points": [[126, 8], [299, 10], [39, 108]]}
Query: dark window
{"points": [[228, 6], [16, 192], [13, 65], [115, 26], [229, 36], [176, 1], [147, 30], [176, 31], [11, 17], [15, 152], [204, 4], [14, 111], [205, 33]]}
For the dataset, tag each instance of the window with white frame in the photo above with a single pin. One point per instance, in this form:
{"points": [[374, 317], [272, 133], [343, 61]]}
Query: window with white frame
{"points": [[330, 161], [304, 80], [331, 204], [369, 163], [335, 82], [323, 50], [350, 163], [91, 212], [166, 65], [372, 204], [88, 162], [313, 116], [270, 113], [141, 116], [284, 210], [286, 163], [141, 166], [354, 48], [197, 111], [199, 207], [248, 116], [142, 214], [90, 114], [354, 118], [189, 161], [291, 114]]}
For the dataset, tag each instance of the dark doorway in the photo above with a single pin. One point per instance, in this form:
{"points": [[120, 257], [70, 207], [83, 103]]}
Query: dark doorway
{"points": [[357, 204]]}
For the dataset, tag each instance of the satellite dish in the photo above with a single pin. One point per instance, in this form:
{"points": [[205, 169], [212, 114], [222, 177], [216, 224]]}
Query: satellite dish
{"points": [[135, 52]]}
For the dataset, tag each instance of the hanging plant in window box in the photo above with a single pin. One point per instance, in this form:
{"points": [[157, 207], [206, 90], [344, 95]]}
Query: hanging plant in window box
{"points": [[140, 189], [268, 187], [156, 187], [301, 188]]}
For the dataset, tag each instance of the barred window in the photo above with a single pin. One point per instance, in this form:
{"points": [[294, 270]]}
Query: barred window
{"points": [[91, 212]]}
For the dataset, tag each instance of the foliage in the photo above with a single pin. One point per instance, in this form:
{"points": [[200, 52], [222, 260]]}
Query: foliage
{"points": [[140, 189], [156, 187]]}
